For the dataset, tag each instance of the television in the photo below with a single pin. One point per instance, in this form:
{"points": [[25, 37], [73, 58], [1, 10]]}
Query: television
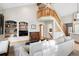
{"points": [[23, 33]]}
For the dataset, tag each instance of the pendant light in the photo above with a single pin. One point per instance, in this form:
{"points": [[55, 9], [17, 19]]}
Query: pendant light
{"points": [[77, 15]]}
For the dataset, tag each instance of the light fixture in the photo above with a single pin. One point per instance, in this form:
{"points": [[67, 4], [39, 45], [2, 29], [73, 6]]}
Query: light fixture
{"points": [[77, 14]]}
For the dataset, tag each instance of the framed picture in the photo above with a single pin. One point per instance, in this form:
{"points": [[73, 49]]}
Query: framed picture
{"points": [[33, 26], [50, 30]]}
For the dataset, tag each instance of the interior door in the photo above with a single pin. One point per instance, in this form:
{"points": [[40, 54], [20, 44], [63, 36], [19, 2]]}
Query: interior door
{"points": [[41, 31]]}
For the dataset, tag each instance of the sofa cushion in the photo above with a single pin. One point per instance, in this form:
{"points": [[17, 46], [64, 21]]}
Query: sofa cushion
{"points": [[45, 44], [60, 40], [35, 47], [67, 38], [46, 52], [39, 53], [51, 42], [22, 52], [50, 49], [45, 48], [65, 48], [26, 48]]}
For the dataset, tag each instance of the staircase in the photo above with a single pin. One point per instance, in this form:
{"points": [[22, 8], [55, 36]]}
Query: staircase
{"points": [[46, 11]]}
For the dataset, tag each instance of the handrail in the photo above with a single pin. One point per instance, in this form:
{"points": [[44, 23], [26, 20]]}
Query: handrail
{"points": [[51, 36]]}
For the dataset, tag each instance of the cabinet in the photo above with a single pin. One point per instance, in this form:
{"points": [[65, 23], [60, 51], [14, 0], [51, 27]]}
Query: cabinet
{"points": [[34, 36]]}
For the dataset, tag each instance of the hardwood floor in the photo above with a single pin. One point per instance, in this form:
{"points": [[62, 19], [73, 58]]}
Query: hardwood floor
{"points": [[75, 52], [11, 51]]}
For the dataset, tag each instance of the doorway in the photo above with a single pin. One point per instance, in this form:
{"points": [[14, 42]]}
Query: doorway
{"points": [[41, 26]]}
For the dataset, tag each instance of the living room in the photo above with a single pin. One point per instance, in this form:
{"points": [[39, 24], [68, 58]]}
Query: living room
{"points": [[25, 27]]}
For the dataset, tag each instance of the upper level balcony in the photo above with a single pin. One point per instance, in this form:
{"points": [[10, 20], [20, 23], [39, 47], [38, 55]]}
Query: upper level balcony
{"points": [[47, 14]]}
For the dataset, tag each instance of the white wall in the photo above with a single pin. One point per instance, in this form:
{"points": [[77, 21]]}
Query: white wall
{"points": [[65, 11], [25, 13], [0, 12], [68, 18]]}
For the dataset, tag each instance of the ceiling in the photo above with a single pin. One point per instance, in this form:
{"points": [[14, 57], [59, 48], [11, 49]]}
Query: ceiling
{"points": [[63, 9], [11, 5]]}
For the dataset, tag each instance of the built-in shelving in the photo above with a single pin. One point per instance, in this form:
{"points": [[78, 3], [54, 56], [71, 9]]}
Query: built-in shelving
{"points": [[23, 29], [10, 28]]}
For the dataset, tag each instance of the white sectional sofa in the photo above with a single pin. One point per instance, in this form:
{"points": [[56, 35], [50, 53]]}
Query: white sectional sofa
{"points": [[47, 48], [65, 48]]}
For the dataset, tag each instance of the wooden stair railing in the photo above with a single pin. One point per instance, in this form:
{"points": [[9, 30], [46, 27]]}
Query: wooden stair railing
{"points": [[50, 36], [43, 12]]}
